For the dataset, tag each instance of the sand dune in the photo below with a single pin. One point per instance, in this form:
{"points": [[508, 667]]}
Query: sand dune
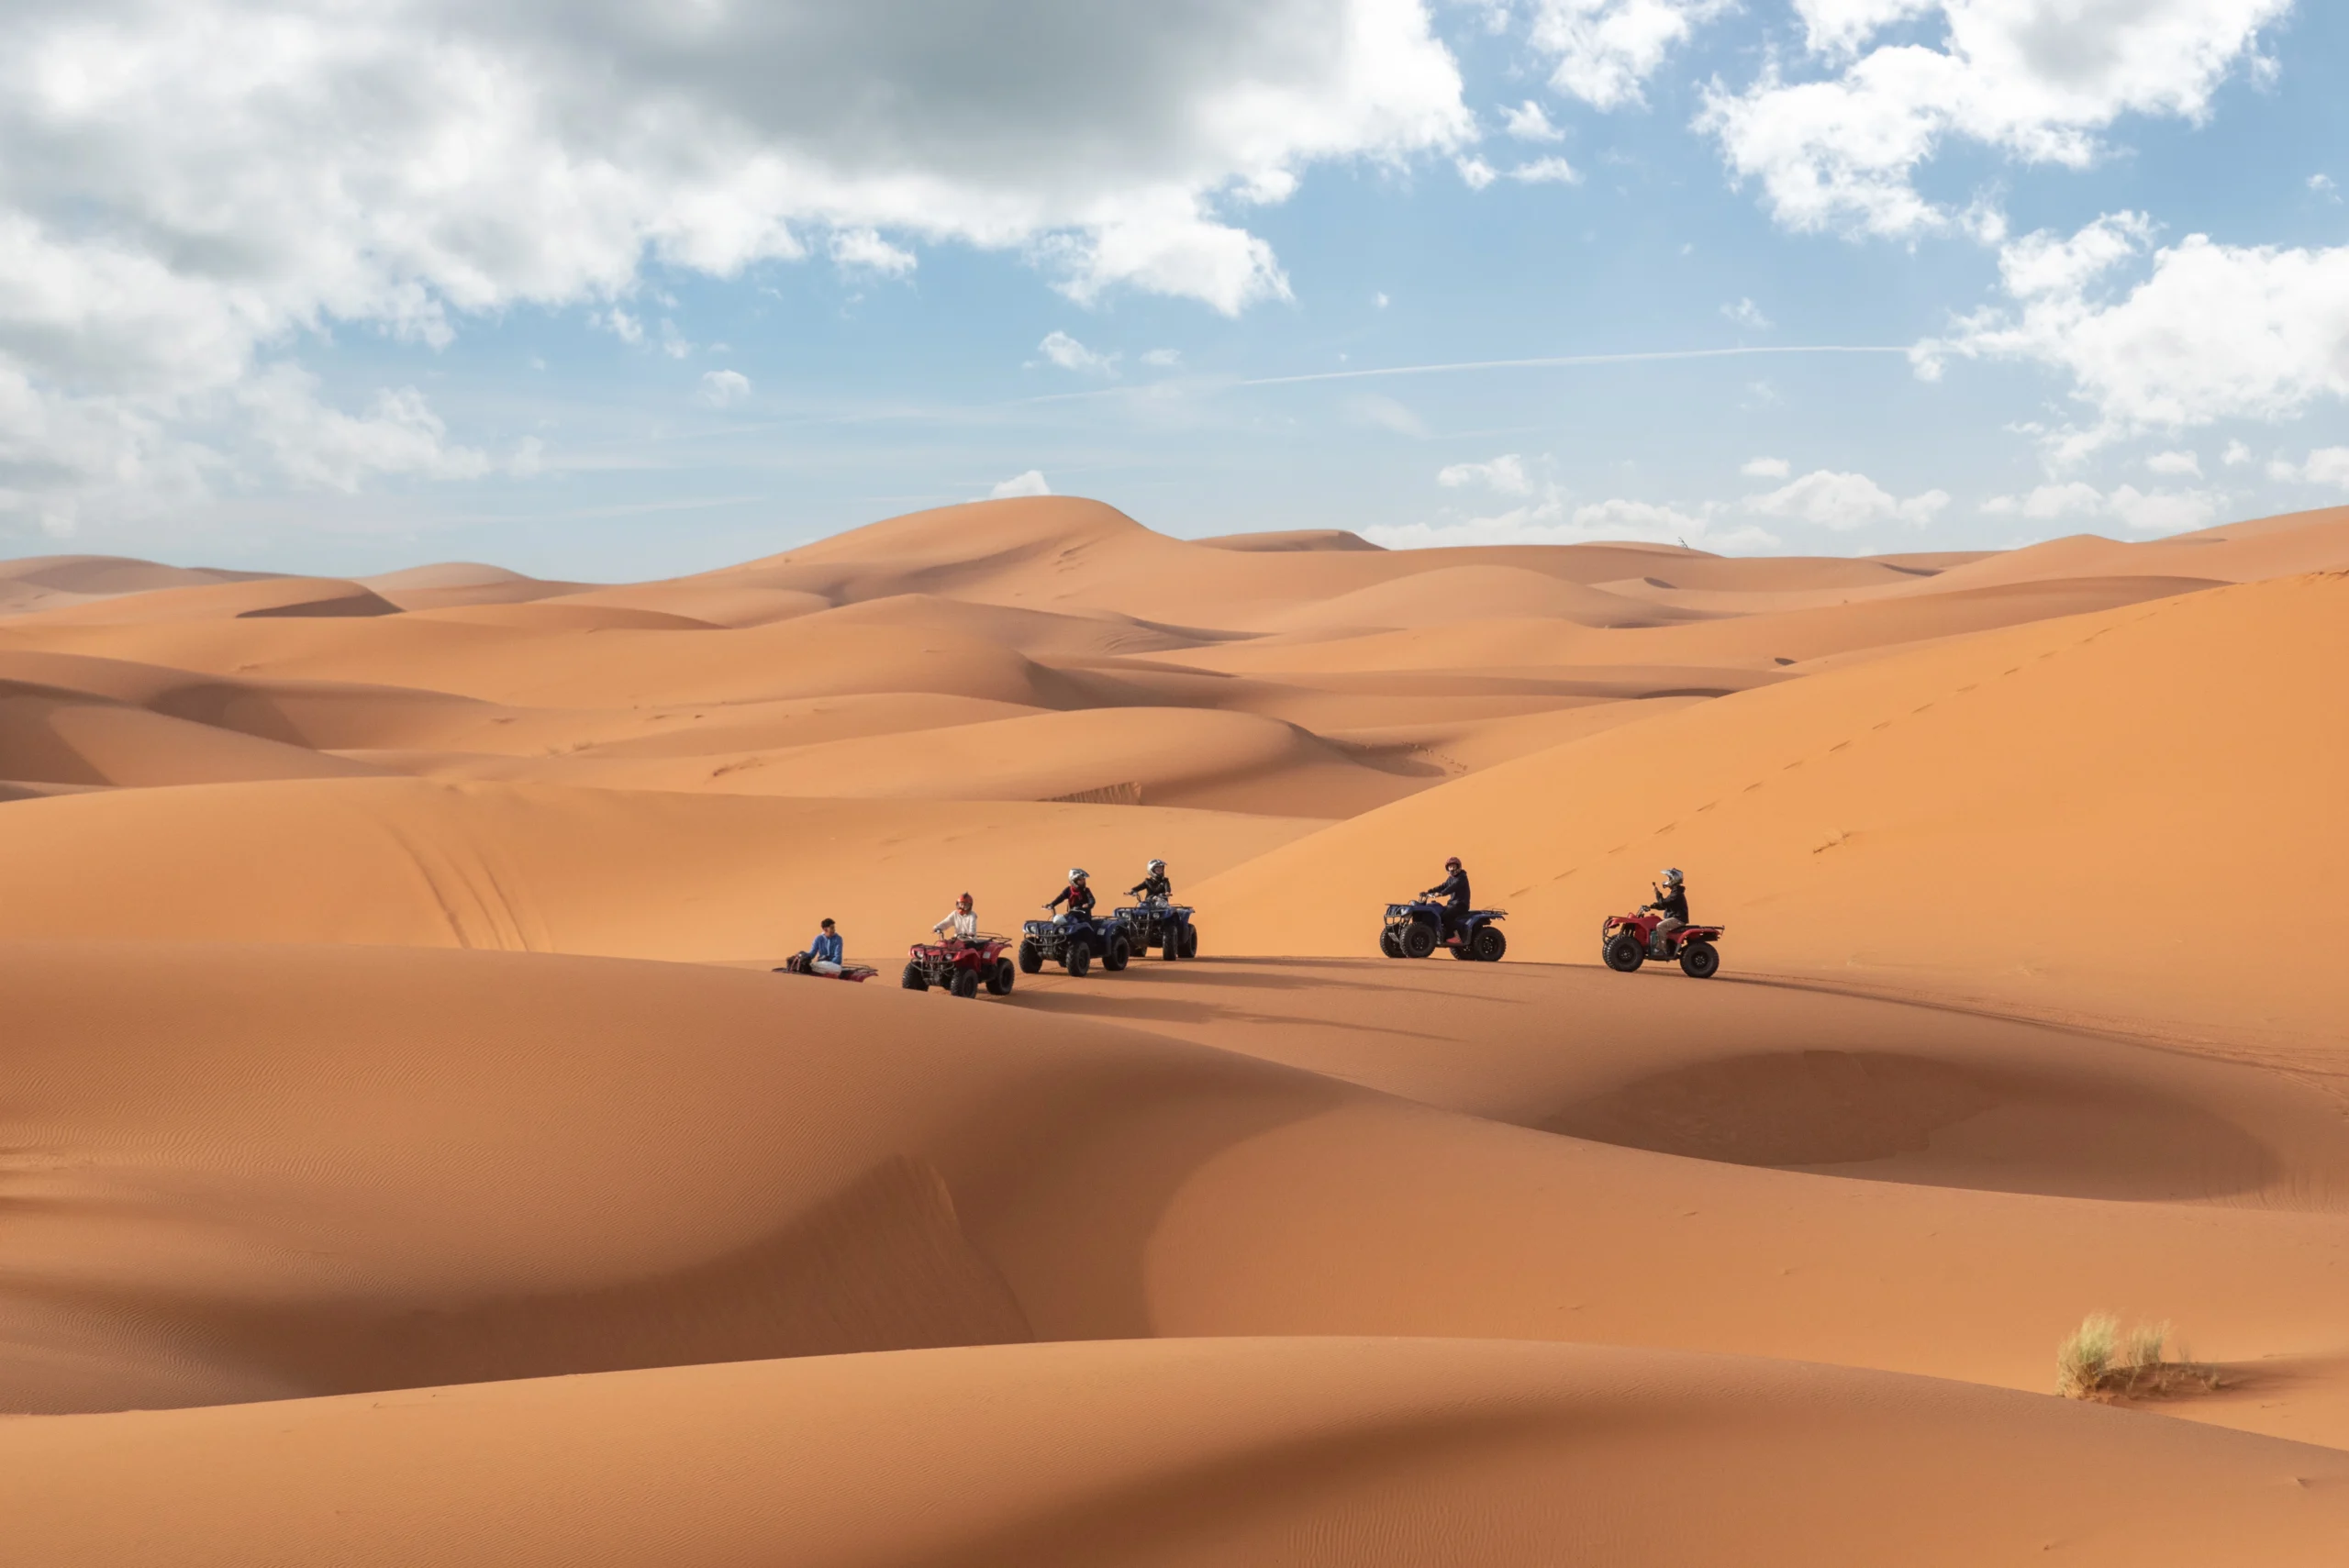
{"points": [[325, 1239], [1223, 1451]]}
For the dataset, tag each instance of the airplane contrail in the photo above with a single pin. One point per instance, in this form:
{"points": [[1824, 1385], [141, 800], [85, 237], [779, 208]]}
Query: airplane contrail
{"points": [[1564, 360]]}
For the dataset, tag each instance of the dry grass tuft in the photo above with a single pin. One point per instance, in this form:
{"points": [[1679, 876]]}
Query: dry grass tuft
{"points": [[2098, 1361]]}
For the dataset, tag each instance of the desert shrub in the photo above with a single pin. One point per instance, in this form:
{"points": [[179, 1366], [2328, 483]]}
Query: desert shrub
{"points": [[2083, 1363], [2099, 1362]]}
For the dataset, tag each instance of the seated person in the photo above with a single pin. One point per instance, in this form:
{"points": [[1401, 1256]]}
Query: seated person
{"points": [[1156, 887], [962, 922], [1078, 895], [1453, 891], [823, 954], [1671, 903]]}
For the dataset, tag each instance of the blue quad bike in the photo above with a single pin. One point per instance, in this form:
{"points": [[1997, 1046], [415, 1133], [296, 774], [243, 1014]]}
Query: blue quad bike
{"points": [[1075, 943], [1416, 929], [1166, 927]]}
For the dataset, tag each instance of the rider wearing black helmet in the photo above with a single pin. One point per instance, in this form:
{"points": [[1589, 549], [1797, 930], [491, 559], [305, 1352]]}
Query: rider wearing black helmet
{"points": [[1453, 891]]}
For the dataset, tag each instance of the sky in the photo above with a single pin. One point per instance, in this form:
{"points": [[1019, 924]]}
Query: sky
{"points": [[604, 290]]}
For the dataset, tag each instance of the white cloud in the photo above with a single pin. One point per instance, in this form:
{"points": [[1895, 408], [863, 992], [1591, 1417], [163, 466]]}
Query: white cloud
{"points": [[1546, 171], [2155, 512], [2325, 465], [1766, 467], [2323, 186], [313, 444], [1379, 301], [1475, 173], [2036, 83], [1551, 520], [2176, 464], [863, 250], [1527, 122], [191, 192], [723, 389], [1605, 50], [1028, 483], [2236, 454], [1071, 355], [1845, 501], [2213, 332], [1162, 358], [1383, 413], [672, 343], [1505, 474], [1745, 313]]}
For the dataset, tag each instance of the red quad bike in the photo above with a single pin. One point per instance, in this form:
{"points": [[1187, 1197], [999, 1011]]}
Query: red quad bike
{"points": [[798, 964], [960, 966], [1626, 941]]}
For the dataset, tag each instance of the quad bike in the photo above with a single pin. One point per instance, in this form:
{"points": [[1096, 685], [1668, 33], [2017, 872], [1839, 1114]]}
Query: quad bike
{"points": [[1166, 927], [1416, 929], [960, 965], [1073, 942], [798, 964], [1626, 941]]}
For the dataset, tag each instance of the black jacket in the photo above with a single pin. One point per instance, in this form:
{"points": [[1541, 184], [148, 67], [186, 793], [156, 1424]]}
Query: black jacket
{"points": [[1675, 903], [1078, 899], [1153, 887], [1454, 889]]}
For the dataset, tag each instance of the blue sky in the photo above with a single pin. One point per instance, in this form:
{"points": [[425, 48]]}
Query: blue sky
{"points": [[383, 298]]}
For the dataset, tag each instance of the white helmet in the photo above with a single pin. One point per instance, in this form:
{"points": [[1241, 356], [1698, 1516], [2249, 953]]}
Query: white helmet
{"points": [[1672, 875], [1155, 867], [1076, 873]]}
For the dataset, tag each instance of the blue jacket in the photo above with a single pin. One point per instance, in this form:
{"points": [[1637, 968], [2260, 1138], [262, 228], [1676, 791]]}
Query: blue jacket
{"points": [[826, 947]]}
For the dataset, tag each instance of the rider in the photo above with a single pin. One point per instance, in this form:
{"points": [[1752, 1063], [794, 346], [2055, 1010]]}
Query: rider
{"points": [[960, 923], [1671, 903], [1154, 887], [823, 954], [1078, 895], [1453, 891]]}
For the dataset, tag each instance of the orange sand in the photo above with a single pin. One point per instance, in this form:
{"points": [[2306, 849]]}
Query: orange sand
{"points": [[323, 1240]]}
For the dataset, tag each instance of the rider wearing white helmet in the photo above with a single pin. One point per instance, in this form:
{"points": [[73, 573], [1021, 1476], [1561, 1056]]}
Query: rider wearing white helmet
{"points": [[1671, 903], [1156, 886], [1076, 896]]}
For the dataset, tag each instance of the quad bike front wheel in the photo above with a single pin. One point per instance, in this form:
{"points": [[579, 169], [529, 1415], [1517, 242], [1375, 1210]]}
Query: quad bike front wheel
{"points": [[1699, 960], [915, 980], [1000, 977], [1170, 944], [1115, 958], [1418, 941], [1032, 958], [1388, 945], [1190, 940], [965, 984], [1079, 960], [1488, 945], [1623, 952]]}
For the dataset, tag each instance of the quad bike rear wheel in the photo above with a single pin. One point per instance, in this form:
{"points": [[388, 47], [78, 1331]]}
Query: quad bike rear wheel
{"points": [[1190, 940], [1031, 957], [1388, 945], [1488, 945], [1699, 960], [1000, 977], [1079, 960], [1623, 952], [915, 980], [1418, 941], [1115, 958], [965, 984]]}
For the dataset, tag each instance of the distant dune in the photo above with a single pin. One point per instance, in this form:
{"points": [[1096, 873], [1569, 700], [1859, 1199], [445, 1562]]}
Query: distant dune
{"points": [[407, 1155]]}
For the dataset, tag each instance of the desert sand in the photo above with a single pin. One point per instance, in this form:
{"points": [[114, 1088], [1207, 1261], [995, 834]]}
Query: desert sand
{"points": [[408, 1153]]}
